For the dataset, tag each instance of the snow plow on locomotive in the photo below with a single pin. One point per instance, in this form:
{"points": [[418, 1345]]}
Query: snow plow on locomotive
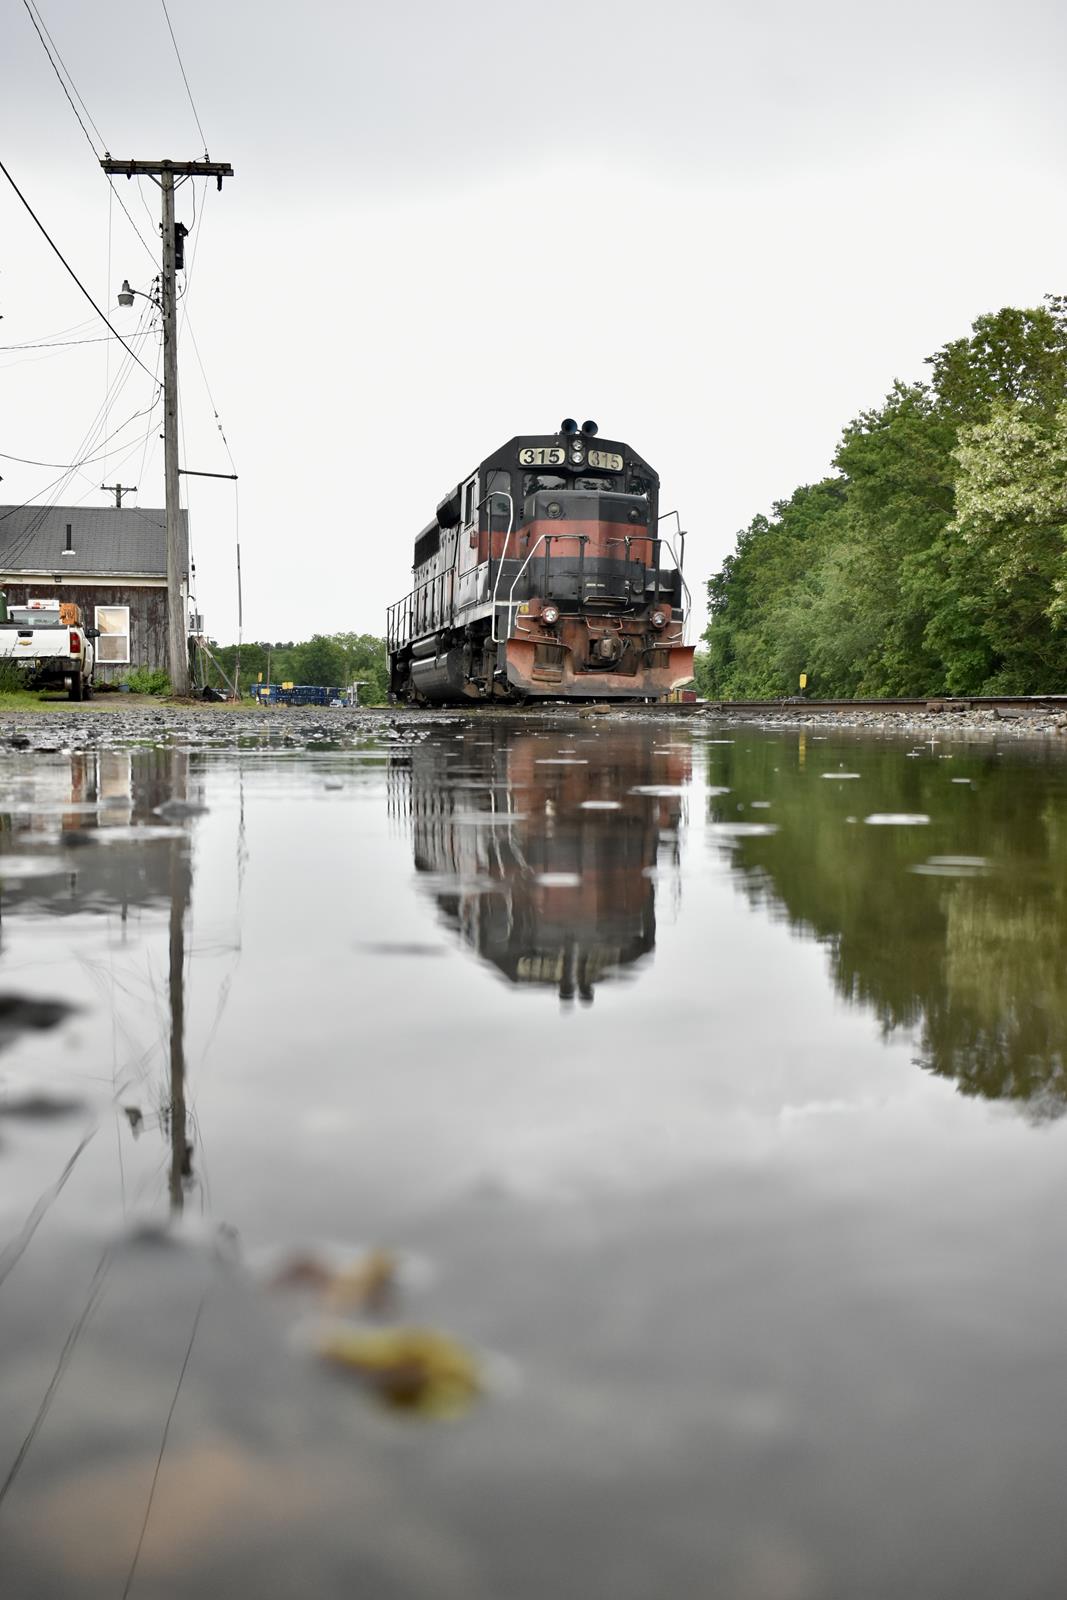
{"points": [[545, 575]]}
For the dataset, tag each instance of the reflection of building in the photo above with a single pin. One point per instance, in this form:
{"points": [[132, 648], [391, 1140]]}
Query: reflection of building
{"points": [[543, 861], [93, 805], [79, 834]]}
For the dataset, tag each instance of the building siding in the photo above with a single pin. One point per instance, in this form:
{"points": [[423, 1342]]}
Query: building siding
{"points": [[148, 617]]}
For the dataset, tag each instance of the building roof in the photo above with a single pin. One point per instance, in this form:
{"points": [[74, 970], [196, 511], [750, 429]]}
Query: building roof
{"points": [[126, 541]]}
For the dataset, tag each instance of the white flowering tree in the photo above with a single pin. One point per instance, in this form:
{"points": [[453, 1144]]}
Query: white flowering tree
{"points": [[1011, 501]]}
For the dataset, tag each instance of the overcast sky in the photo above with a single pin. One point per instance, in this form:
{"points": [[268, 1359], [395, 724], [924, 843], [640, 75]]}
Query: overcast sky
{"points": [[719, 229]]}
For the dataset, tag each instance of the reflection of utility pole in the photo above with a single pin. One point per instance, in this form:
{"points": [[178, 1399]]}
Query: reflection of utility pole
{"points": [[181, 1156], [173, 258], [118, 490]]}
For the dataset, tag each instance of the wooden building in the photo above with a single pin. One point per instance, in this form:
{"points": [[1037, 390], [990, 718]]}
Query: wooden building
{"points": [[111, 561]]}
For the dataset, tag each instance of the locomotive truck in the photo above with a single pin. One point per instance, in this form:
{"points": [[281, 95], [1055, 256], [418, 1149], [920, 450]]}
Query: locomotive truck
{"points": [[545, 574]]}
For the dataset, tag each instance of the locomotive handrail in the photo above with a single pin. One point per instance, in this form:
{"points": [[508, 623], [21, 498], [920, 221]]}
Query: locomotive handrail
{"points": [[541, 540], [681, 577], [541, 537], [404, 605], [504, 495]]}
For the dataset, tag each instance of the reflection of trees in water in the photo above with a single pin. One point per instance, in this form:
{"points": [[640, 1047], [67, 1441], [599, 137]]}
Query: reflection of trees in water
{"points": [[970, 958], [546, 889]]}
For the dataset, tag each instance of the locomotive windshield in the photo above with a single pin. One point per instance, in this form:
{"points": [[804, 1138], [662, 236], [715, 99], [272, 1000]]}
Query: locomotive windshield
{"points": [[539, 482]]}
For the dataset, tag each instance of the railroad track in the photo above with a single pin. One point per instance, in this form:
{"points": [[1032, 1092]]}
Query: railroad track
{"points": [[939, 703]]}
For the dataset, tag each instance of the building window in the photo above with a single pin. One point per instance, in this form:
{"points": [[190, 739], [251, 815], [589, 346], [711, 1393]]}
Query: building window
{"points": [[113, 644]]}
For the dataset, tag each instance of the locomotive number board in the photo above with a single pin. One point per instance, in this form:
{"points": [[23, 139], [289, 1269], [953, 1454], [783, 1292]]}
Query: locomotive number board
{"points": [[552, 455]]}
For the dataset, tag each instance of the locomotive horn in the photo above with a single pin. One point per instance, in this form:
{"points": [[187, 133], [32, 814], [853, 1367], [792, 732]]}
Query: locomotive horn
{"points": [[590, 429], [568, 425]]}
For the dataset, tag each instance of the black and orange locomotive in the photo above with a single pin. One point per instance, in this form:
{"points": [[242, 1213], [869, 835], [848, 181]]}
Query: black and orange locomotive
{"points": [[544, 574]]}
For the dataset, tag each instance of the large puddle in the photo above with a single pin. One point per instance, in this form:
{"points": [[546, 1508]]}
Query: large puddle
{"points": [[511, 1161]]}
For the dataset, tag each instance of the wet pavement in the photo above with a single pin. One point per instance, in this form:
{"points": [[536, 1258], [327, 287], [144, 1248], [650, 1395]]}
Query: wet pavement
{"points": [[457, 1157]]}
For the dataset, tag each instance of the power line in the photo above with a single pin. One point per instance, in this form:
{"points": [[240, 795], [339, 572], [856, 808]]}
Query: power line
{"points": [[20, 542], [72, 466], [56, 62], [70, 269], [163, 1446], [38, 25], [63, 344], [185, 80], [96, 1289]]}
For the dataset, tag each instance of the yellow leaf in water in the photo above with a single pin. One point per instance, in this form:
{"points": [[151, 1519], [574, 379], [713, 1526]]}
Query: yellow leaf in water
{"points": [[414, 1369]]}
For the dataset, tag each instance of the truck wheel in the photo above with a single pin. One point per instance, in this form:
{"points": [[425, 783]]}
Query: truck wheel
{"points": [[75, 691], [87, 690]]}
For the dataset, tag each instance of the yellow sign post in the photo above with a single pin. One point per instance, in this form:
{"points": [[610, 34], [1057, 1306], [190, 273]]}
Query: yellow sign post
{"points": [[803, 680]]}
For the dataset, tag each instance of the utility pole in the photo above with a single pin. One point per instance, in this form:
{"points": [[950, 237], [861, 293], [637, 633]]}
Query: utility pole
{"points": [[165, 172], [118, 490]]}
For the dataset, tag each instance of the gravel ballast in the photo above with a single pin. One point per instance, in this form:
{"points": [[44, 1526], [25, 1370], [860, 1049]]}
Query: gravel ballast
{"points": [[217, 727]]}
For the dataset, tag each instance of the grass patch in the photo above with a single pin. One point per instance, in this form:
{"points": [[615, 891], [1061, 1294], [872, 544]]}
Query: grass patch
{"points": [[148, 680]]}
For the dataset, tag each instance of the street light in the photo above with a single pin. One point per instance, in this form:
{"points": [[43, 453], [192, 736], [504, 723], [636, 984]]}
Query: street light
{"points": [[126, 294]]}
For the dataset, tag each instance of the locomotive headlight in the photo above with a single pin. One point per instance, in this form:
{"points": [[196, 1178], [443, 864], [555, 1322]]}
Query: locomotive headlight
{"points": [[550, 615], [658, 619], [576, 457]]}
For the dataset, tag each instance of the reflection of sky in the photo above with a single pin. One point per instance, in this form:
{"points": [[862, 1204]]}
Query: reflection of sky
{"points": [[760, 1276], [372, 1080]]}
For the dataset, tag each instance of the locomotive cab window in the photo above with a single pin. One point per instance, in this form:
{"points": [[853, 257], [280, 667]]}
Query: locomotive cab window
{"points": [[469, 502], [498, 506]]}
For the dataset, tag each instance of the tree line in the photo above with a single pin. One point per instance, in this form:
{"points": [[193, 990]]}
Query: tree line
{"points": [[933, 558], [331, 659]]}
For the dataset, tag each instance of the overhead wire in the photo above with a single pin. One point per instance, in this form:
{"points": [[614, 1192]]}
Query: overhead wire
{"points": [[62, 344], [66, 264], [73, 95], [185, 78], [58, 333], [64, 77], [82, 456], [187, 325], [96, 1289], [14, 1250], [70, 467], [163, 1446], [62, 72]]}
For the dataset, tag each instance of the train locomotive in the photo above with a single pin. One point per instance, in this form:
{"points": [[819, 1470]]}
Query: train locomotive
{"points": [[545, 575]]}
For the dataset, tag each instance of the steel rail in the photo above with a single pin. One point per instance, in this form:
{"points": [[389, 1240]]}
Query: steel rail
{"points": [[939, 702]]}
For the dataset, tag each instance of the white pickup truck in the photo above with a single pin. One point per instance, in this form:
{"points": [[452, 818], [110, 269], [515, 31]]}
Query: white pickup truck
{"points": [[46, 640]]}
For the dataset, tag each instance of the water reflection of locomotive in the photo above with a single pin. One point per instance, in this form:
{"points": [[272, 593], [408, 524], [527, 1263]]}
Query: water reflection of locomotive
{"points": [[544, 573], [526, 866]]}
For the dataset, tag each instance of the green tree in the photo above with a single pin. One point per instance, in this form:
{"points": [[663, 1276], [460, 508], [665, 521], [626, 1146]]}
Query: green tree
{"points": [[1012, 356], [365, 661], [319, 660], [935, 558]]}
